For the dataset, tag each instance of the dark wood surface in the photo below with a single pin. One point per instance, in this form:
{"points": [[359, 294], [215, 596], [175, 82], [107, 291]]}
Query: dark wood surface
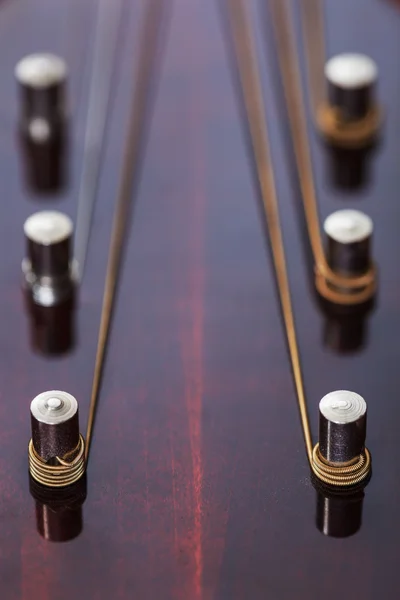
{"points": [[198, 483]]}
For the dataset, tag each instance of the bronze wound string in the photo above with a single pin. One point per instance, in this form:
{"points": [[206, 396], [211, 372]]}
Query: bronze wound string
{"points": [[248, 70], [336, 288], [108, 24], [142, 77]]}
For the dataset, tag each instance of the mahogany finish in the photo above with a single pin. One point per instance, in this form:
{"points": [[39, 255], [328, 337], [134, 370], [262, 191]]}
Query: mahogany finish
{"points": [[198, 483]]}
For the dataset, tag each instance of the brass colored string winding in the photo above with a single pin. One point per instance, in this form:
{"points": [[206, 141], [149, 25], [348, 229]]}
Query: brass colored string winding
{"points": [[68, 470], [348, 134], [338, 289], [341, 475], [345, 475]]}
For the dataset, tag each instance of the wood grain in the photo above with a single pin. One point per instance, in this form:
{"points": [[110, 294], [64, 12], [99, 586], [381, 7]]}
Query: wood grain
{"points": [[198, 486]]}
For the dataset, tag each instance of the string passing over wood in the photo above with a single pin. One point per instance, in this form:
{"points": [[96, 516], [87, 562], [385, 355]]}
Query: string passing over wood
{"points": [[142, 76], [315, 47], [331, 285], [341, 474], [109, 17], [253, 100]]}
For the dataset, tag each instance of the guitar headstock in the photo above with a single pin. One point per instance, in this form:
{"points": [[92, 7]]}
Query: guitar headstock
{"points": [[198, 483]]}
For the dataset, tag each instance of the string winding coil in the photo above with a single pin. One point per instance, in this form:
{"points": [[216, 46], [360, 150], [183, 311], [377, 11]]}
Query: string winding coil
{"points": [[66, 471], [341, 474], [353, 134], [349, 291]]}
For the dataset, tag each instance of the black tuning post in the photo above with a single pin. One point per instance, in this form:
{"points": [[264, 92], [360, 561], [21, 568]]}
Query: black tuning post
{"points": [[351, 80], [342, 432], [42, 82], [349, 236], [349, 277], [57, 449], [55, 424], [49, 273], [342, 426], [340, 458], [49, 282], [350, 118]]}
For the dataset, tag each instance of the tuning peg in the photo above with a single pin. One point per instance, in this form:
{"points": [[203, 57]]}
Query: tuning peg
{"points": [[340, 458], [351, 82], [348, 277], [342, 426], [42, 80], [55, 424], [49, 273], [56, 450], [349, 236], [351, 117]]}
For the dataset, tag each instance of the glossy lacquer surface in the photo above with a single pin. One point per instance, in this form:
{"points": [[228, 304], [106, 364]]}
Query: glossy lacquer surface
{"points": [[198, 482]]}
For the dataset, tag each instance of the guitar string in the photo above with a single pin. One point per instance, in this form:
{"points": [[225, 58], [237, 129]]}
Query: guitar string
{"points": [[361, 287], [294, 100], [312, 18], [142, 72], [358, 470], [253, 98], [108, 23], [73, 15]]}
